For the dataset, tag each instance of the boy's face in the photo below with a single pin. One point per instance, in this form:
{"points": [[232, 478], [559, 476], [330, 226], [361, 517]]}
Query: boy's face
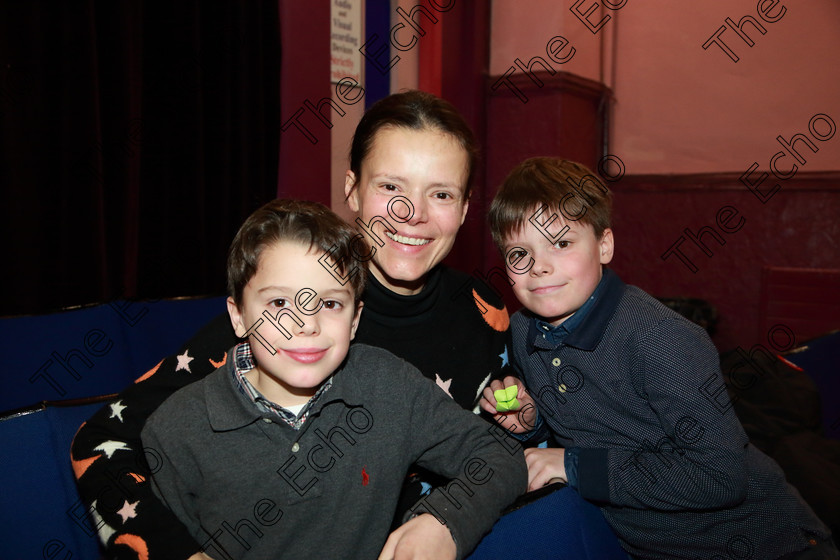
{"points": [[291, 370], [563, 275]]}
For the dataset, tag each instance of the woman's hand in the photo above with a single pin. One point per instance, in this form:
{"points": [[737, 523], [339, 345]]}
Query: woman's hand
{"points": [[545, 466], [422, 538], [519, 419]]}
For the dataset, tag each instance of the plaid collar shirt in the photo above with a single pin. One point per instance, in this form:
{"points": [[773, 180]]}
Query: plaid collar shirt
{"points": [[244, 362]]}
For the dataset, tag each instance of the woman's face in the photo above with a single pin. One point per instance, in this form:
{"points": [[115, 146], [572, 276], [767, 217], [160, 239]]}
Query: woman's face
{"points": [[428, 169]]}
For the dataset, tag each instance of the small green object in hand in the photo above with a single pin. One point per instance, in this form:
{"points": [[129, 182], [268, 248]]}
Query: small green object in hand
{"points": [[506, 398]]}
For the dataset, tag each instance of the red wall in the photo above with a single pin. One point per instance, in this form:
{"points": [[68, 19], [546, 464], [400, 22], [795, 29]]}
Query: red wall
{"points": [[676, 109], [692, 121], [797, 227]]}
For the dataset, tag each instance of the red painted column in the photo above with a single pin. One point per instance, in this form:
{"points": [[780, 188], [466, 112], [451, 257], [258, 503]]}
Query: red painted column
{"points": [[306, 108], [462, 60]]}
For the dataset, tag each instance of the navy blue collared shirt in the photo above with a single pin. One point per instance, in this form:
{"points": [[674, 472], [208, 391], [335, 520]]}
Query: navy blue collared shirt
{"points": [[556, 335]]}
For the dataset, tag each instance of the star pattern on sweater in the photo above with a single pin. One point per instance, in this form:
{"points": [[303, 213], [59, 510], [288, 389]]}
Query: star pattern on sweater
{"points": [[135, 543], [117, 409], [504, 357], [184, 361], [443, 384], [218, 364], [104, 530], [110, 447], [479, 391], [128, 511]]}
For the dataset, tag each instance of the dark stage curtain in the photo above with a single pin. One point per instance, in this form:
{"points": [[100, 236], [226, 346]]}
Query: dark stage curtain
{"points": [[136, 137]]}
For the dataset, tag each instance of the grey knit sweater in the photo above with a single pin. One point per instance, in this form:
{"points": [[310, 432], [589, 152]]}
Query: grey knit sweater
{"points": [[247, 485]]}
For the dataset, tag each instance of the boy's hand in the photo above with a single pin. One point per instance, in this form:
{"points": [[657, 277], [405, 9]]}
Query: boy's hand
{"points": [[519, 419], [422, 538], [545, 466]]}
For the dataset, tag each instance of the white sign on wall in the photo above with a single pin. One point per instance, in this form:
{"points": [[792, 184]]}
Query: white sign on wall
{"points": [[345, 36]]}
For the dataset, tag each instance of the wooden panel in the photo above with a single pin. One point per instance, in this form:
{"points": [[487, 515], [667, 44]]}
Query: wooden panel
{"points": [[304, 168], [802, 181], [805, 300], [798, 229], [465, 45], [562, 118], [565, 117]]}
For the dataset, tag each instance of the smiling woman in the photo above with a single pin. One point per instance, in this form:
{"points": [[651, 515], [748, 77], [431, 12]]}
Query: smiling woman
{"points": [[429, 169], [411, 162]]}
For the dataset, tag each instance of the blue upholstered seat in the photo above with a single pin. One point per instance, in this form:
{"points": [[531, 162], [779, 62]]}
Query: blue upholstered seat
{"points": [[41, 515], [561, 525]]}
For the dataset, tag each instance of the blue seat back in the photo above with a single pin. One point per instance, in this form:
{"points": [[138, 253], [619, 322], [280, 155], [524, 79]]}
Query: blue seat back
{"points": [[93, 351], [42, 515]]}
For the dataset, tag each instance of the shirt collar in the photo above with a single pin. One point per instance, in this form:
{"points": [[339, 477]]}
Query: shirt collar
{"points": [[243, 363], [229, 407], [556, 335], [583, 329]]}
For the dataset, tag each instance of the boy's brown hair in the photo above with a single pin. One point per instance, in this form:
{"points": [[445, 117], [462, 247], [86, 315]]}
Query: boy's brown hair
{"points": [[342, 250], [563, 186]]}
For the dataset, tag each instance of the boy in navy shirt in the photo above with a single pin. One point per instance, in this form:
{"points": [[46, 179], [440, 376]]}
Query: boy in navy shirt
{"points": [[616, 379]]}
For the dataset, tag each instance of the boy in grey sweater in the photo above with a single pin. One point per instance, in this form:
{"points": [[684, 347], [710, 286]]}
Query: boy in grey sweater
{"points": [[298, 445]]}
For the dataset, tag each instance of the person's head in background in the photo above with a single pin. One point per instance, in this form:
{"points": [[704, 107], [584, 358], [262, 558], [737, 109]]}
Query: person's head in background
{"points": [[411, 163]]}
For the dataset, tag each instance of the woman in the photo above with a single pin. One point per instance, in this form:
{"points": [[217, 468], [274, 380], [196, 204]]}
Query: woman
{"points": [[410, 165], [411, 162]]}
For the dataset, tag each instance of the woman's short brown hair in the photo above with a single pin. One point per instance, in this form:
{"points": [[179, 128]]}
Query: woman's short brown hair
{"points": [[413, 110], [308, 223], [561, 185]]}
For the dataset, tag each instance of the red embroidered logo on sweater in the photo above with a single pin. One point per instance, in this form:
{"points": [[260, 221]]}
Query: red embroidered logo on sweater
{"points": [[365, 476]]}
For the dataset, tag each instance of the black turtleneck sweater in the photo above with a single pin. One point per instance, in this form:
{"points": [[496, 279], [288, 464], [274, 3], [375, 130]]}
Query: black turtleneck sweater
{"points": [[454, 331], [441, 331]]}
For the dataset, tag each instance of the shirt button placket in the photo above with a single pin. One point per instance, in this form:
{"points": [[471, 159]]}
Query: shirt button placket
{"points": [[556, 363]]}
